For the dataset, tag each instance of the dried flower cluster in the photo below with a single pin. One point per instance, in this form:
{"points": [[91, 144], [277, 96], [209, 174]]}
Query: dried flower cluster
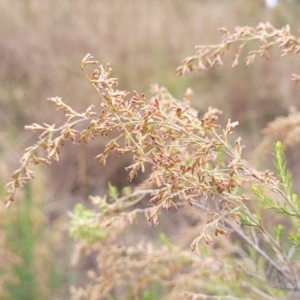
{"points": [[193, 163], [266, 36]]}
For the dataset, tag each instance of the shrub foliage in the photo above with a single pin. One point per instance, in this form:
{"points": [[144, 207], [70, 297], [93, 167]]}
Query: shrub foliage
{"points": [[194, 167]]}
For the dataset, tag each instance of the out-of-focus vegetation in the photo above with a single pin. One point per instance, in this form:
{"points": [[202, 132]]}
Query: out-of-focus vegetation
{"points": [[40, 47]]}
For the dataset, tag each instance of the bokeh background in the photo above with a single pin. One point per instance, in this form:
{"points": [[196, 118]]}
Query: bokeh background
{"points": [[42, 43]]}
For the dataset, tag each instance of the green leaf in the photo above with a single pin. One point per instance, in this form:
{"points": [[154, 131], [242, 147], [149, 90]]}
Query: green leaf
{"points": [[283, 173], [295, 238], [278, 230], [85, 225], [245, 220], [165, 240], [126, 191], [113, 192], [263, 198]]}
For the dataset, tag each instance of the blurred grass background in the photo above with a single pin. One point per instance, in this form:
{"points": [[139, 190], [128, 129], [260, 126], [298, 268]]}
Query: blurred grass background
{"points": [[42, 44]]}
